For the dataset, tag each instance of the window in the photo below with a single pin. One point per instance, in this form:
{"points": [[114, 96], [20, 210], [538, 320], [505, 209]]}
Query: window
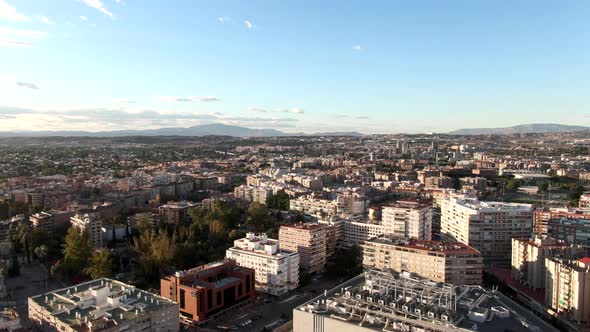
{"points": [[181, 300]]}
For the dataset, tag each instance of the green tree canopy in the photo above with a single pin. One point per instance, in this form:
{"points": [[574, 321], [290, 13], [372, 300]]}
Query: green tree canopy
{"points": [[100, 265]]}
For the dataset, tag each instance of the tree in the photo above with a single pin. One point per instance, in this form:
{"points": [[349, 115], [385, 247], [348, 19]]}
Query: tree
{"points": [[217, 229], [280, 201], [257, 218], [77, 250], [153, 252], [100, 265], [512, 185], [345, 262], [543, 187], [41, 252]]}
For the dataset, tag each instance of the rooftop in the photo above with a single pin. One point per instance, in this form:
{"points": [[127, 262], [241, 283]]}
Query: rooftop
{"points": [[384, 301], [100, 299], [436, 246]]}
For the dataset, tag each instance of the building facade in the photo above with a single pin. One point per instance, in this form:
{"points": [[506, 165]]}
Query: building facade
{"points": [[208, 289], [408, 219], [450, 262], [309, 240], [487, 226], [91, 224], [567, 290], [528, 258], [276, 271]]}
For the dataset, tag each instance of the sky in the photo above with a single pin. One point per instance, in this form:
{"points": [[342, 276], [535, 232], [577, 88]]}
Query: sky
{"points": [[388, 66]]}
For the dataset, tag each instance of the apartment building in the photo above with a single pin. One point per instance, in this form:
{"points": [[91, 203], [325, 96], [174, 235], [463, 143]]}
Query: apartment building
{"points": [[314, 206], [449, 262], [584, 201], [351, 203], [309, 240], [528, 257], [567, 290], [103, 305], [176, 212], [252, 193], [569, 224], [276, 271], [208, 289], [408, 219], [49, 220], [91, 224], [486, 226]]}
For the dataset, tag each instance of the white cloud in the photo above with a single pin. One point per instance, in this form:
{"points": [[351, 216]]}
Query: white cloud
{"points": [[10, 13], [257, 110], [297, 110], [15, 43], [83, 18], [188, 99], [98, 5], [27, 85], [14, 37], [45, 20], [223, 19], [357, 48], [248, 24]]}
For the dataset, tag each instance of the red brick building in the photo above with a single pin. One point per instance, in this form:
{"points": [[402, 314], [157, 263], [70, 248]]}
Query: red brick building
{"points": [[208, 289]]}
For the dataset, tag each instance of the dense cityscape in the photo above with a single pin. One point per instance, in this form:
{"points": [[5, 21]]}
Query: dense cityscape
{"points": [[429, 232]]}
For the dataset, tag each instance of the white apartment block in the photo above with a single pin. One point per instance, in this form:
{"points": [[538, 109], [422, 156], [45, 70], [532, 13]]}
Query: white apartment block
{"points": [[567, 288], [276, 271], [528, 258], [408, 219], [103, 305], [487, 226], [91, 224]]}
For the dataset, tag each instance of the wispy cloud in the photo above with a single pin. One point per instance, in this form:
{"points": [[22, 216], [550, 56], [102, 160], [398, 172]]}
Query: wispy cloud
{"points": [[19, 37], [188, 99], [83, 18], [15, 43], [45, 20], [27, 85], [248, 24], [98, 5], [10, 13], [295, 110], [223, 19], [358, 48], [257, 110]]}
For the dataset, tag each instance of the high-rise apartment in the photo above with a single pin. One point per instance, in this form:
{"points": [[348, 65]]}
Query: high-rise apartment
{"points": [[307, 239]]}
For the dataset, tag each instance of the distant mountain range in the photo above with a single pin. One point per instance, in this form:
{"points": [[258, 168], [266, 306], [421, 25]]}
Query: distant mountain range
{"points": [[216, 129], [521, 129]]}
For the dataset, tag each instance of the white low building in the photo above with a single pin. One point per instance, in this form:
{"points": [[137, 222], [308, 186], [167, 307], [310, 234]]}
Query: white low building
{"points": [[277, 272]]}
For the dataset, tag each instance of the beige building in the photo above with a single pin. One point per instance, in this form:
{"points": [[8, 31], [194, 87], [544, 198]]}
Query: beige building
{"points": [[314, 206], [408, 219], [253, 193], [307, 239], [487, 226], [567, 290], [276, 271], [103, 305], [528, 258], [450, 262], [91, 224]]}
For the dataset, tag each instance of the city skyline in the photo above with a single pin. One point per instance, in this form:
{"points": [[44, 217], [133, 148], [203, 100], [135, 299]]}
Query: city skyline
{"points": [[292, 66]]}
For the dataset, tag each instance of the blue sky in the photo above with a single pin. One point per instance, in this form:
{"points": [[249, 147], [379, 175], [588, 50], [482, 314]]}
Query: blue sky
{"points": [[370, 66]]}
